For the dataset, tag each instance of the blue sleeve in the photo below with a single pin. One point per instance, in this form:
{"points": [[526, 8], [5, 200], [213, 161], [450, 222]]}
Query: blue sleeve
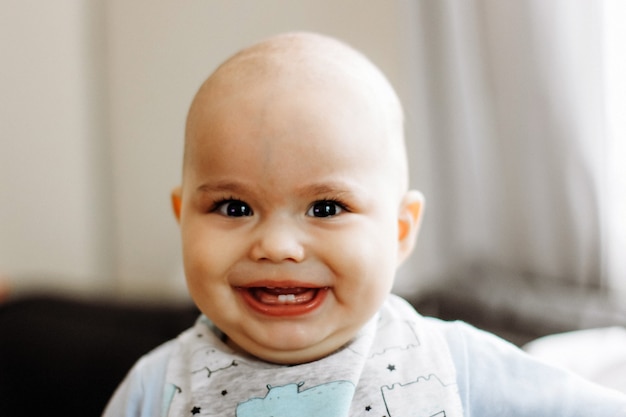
{"points": [[141, 392], [498, 379]]}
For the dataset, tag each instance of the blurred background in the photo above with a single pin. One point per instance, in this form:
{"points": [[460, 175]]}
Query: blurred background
{"points": [[515, 128]]}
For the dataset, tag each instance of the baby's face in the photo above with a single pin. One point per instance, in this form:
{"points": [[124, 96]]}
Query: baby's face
{"points": [[289, 217]]}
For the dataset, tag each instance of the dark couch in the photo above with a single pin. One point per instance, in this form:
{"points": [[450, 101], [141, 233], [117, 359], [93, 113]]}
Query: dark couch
{"points": [[64, 357]]}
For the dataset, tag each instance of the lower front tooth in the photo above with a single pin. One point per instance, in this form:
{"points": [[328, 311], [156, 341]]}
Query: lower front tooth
{"points": [[286, 298]]}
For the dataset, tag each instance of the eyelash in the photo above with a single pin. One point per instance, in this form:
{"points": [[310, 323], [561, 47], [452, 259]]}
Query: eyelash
{"points": [[342, 206], [219, 205]]}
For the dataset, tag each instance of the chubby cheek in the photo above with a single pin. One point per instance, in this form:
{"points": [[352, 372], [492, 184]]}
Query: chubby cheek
{"points": [[365, 266], [207, 262]]}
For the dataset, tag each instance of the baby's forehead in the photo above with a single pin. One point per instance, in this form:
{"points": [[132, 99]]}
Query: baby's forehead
{"points": [[295, 63]]}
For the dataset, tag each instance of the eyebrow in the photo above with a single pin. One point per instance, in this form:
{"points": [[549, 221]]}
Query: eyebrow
{"points": [[327, 188], [330, 188], [222, 186]]}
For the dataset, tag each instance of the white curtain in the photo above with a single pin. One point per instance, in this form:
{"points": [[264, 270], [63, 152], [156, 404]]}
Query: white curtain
{"points": [[520, 140], [615, 91]]}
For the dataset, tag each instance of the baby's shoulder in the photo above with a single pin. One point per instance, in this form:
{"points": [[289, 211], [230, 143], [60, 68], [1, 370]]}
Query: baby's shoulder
{"points": [[495, 374], [141, 392]]}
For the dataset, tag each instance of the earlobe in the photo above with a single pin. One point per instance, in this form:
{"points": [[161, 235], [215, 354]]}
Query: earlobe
{"points": [[176, 198], [409, 220]]}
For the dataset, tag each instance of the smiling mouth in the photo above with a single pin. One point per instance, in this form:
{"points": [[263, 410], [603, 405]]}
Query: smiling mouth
{"points": [[283, 301]]}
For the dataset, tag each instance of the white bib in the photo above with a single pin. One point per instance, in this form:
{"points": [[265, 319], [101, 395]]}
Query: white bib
{"points": [[395, 367]]}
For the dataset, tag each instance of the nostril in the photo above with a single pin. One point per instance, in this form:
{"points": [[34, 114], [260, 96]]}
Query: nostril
{"points": [[277, 239], [276, 255], [278, 250]]}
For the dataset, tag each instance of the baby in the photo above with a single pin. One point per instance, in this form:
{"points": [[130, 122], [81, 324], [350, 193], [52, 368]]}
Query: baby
{"points": [[295, 213]]}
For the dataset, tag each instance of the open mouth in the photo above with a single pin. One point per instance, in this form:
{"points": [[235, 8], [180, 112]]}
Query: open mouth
{"points": [[283, 301]]}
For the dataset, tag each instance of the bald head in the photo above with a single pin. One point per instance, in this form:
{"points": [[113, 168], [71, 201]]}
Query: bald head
{"points": [[296, 61], [295, 176]]}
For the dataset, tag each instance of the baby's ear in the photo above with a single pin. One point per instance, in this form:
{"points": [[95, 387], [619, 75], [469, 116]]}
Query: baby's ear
{"points": [[409, 220], [176, 197]]}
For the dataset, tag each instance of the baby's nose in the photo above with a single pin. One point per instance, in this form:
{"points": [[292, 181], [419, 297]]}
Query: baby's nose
{"points": [[278, 240]]}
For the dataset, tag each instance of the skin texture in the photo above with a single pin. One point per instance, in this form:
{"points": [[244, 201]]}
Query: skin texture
{"points": [[294, 179]]}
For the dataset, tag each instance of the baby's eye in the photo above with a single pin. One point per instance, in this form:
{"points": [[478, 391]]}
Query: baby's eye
{"points": [[233, 208], [325, 208]]}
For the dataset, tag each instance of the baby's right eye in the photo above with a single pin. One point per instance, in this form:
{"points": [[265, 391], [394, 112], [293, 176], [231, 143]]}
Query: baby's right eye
{"points": [[233, 208]]}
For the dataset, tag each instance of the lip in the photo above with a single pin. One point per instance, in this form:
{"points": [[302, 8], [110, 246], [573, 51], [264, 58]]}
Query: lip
{"points": [[284, 298]]}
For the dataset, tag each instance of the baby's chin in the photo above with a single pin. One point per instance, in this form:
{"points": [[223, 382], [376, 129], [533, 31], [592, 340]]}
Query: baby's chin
{"points": [[295, 356]]}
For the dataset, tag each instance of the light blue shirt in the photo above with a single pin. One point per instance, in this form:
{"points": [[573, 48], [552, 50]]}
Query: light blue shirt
{"points": [[494, 377]]}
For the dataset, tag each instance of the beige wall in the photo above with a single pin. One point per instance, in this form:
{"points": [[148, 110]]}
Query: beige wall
{"points": [[51, 202], [93, 102]]}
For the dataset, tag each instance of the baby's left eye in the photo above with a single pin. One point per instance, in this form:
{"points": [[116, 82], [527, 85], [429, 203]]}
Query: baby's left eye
{"points": [[325, 208]]}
